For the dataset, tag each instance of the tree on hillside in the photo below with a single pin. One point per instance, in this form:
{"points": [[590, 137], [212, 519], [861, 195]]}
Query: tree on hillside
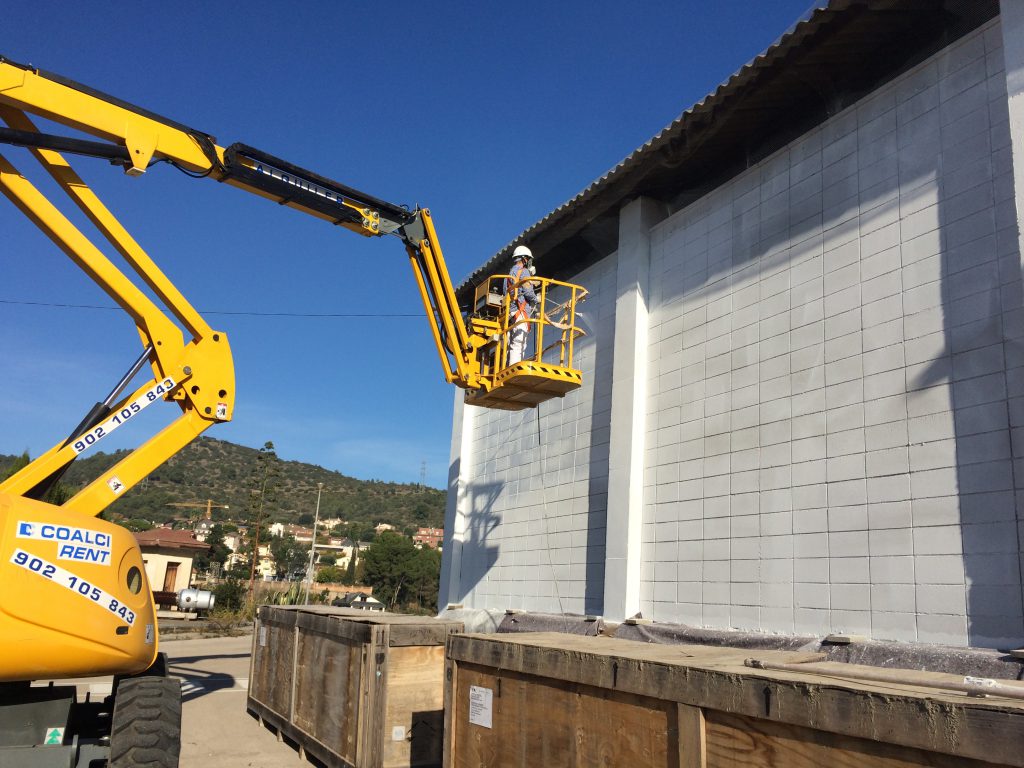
{"points": [[424, 578], [401, 574], [267, 475], [329, 575], [289, 555], [57, 494], [350, 570], [218, 552], [209, 468], [421, 513]]}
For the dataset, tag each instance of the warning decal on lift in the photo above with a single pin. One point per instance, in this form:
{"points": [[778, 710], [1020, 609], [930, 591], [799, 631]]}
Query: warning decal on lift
{"points": [[76, 584], [100, 431]]}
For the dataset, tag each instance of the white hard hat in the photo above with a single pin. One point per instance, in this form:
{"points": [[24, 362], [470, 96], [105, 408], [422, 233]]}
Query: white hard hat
{"points": [[521, 252]]}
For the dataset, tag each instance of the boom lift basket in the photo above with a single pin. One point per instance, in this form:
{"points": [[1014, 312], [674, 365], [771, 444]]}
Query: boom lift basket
{"points": [[547, 368]]}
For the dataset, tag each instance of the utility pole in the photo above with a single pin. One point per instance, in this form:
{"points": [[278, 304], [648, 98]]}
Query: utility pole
{"points": [[312, 549]]}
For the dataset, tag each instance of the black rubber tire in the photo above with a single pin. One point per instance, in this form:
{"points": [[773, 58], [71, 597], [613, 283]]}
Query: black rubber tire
{"points": [[157, 669], [146, 725]]}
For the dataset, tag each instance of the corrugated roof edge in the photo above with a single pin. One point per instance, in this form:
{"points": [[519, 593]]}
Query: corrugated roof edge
{"points": [[806, 24]]}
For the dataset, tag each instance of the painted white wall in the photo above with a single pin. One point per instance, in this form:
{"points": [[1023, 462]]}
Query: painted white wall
{"points": [[832, 361], [834, 396]]}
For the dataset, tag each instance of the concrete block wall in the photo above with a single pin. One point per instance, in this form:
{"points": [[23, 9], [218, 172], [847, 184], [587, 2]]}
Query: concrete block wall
{"points": [[534, 494], [835, 388]]}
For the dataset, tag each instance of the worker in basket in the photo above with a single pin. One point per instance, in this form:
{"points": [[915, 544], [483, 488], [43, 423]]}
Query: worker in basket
{"points": [[522, 302]]}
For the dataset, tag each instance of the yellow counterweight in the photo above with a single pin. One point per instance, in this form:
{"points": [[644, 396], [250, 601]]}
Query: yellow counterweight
{"points": [[76, 599]]}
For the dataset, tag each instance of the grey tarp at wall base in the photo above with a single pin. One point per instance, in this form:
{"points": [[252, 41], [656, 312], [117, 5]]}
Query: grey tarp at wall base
{"points": [[551, 622], [476, 620], [977, 662]]}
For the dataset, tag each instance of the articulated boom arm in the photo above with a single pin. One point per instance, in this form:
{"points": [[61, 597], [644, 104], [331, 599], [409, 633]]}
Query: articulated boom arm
{"points": [[197, 373], [76, 601]]}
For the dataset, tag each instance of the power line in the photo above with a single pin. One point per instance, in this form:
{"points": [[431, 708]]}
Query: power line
{"points": [[223, 312]]}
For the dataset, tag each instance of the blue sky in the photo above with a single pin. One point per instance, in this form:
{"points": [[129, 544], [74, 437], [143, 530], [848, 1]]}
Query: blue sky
{"points": [[490, 114]]}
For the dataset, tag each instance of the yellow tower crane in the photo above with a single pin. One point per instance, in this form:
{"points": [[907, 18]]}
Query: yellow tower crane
{"points": [[208, 504]]}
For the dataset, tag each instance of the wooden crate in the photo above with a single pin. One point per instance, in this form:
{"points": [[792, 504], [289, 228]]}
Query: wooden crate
{"points": [[550, 699], [350, 687]]}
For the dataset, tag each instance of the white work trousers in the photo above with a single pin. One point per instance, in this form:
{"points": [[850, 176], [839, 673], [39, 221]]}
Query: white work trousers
{"points": [[517, 343]]}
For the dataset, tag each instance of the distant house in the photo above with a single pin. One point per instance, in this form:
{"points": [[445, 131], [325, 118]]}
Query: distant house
{"points": [[168, 556], [429, 537], [234, 560], [381, 527], [358, 600], [203, 529], [266, 566]]}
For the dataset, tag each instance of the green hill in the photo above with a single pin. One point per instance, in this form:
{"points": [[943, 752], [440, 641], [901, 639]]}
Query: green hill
{"points": [[227, 474]]}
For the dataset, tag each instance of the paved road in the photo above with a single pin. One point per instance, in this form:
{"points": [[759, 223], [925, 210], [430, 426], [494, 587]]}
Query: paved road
{"points": [[217, 732]]}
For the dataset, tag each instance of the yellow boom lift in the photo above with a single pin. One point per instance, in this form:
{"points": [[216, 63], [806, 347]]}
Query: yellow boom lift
{"points": [[74, 599]]}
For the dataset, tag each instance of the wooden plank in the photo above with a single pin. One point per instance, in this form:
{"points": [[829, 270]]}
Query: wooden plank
{"points": [[413, 727], [273, 648], [919, 679], [377, 679], [716, 679], [434, 633], [327, 684], [331, 626], [741, 742], [356, 625], [543, 722], [692, 740], [268, 716], [451, 684], [365, 670]]}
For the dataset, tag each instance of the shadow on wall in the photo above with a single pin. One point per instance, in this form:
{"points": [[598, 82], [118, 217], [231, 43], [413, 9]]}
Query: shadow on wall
{"points": [[977, 357], [602, 330], [561, 445], [477, 555]]}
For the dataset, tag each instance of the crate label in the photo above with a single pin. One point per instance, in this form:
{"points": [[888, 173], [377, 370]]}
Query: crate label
{"points": [[480, 705], [398, 733], [263, 636]]}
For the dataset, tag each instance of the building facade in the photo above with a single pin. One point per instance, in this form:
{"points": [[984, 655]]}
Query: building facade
{"points": [[168, 556], [429, 537], [804, 382]]}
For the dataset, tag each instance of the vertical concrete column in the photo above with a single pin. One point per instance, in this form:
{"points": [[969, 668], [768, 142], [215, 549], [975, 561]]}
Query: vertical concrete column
{"points": [[458, 506], [1012, 21], [629, 405]]}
